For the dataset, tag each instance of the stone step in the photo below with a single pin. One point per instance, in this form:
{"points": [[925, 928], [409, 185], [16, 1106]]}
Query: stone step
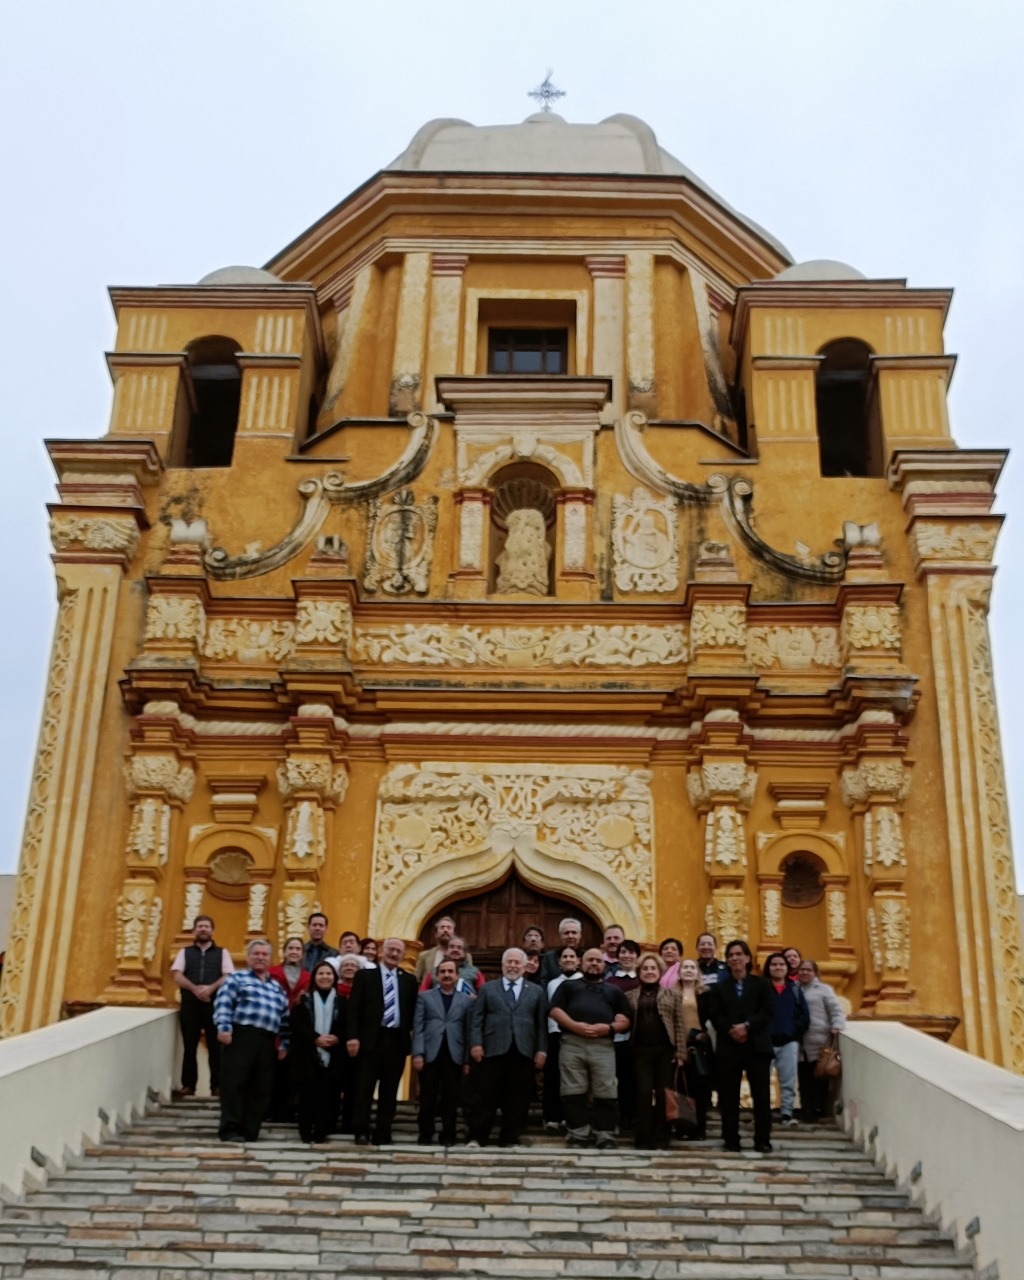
{"points": [[163, 1200]]}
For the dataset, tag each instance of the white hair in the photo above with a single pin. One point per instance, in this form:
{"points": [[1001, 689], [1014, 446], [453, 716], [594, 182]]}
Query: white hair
{"points": [[570, 920], [513, 951]]}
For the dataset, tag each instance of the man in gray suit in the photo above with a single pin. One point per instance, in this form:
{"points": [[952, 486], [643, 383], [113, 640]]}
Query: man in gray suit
{"points": [[508, 1039], [439, 1052]]}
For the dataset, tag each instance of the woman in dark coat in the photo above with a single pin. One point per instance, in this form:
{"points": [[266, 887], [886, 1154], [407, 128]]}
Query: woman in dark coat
{"points": [[316, 1053]]}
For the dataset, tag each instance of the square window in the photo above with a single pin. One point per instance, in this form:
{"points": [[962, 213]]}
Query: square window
{"points": [[539, 351]]}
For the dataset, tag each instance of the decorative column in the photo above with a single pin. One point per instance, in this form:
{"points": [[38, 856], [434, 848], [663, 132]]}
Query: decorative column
{"points": [[159, 785], [875, 789], [313, 781], [640, 392], [469, 580], [608, 272], [410, 335], [574, 554], [95, 531], [721, 789], [948, 496], [446, 272]]}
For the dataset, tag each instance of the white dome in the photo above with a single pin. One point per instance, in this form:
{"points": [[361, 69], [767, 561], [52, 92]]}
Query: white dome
{"points": [[240, 275], [819, 270], [547, 143]]}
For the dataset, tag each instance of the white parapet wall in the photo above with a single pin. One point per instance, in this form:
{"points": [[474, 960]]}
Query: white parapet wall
{"points": [[55, 1082], [948, 1126]]}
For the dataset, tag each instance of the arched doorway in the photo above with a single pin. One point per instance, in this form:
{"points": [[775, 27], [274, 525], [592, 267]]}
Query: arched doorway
{"points": [[495, 919]]}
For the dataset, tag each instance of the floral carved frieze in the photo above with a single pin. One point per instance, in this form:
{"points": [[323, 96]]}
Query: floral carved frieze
{"points": [[718, 626], [175, 618], [317, 774], [883, 839], [721, 780], [872, 626], [94, 533], [323, 622], [571, 815], [873, 779], [294, 908], [645, 542], [955, 541], [441, 645], [150, 830], [162, 773], [400, 544], [138, 919], [249, 640], [793, 648]]}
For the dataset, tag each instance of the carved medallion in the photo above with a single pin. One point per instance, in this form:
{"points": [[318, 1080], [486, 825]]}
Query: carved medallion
{"points": [[645, 542], [400, 544], [793, 648]]}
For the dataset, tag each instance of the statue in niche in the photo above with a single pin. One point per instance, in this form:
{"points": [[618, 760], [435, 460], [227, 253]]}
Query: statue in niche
{"points": [[523, 563]]}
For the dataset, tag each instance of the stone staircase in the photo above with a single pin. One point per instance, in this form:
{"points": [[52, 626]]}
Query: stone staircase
{"points": [[164, 1200]]}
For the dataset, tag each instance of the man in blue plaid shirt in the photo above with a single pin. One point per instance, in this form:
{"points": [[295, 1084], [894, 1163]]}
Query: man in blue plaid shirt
{"points": [[250, 1012]]}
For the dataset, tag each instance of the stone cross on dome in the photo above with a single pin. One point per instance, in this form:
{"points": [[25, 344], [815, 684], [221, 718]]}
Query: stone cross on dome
{"points": [[546, 93]]}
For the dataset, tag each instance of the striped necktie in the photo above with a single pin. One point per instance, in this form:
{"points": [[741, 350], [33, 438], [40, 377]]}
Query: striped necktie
{"points": [[390, 1000]]}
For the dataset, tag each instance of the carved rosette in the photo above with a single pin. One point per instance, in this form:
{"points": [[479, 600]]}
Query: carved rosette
{"points": [[718, 626], [871, 630], [175, 623], [323, 631], [645, 542], [400, 544], [875, 789]]}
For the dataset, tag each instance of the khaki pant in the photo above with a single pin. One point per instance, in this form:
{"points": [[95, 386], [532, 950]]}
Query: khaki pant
{"points": [[588, 1071]]}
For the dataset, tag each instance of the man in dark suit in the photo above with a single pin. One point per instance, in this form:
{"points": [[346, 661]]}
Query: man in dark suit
{"points": [[380, 1017], [439, 1052], [508, 1039], [741, 1011]]}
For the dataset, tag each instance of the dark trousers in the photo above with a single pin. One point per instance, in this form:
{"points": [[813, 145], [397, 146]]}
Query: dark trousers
{"points": [[625, 1073], [440, 1083], [758, 1067], [652, 1075], [813, 1091], [318, 1103], [196, 1018], [379, 1067], [552, 1080], [247, 1082], [505, 1082], [699, 1089]]}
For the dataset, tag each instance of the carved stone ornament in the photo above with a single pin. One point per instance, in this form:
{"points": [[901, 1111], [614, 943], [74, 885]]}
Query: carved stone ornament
{"points": [[471, 535], [893, 920], [725, 842], [231, 867], [444, 645], [771, 903], [94, 533], [871, 626], [874, 939], [257, 907], [293, 911], [523, 561], [718, 626], [793, 648], [156, 916], [721, 779], [306, 834], [134, 910], [193, 904], [250, 640], [730, 917], [150, 830], [645, 542], [160, 773], [175, 618], [883, 839], [574, 535], [323, 622], [570, 815], [874, 778], [955, 542], [316, 774], [837, 915], [400, 544]]}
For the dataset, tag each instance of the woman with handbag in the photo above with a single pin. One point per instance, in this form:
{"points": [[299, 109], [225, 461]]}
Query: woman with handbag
{"points": [[827, 1020], [697, 1064], [658, 1041]]}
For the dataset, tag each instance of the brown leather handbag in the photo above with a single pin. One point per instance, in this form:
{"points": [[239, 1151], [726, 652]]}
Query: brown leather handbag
{"points": [[680, 1108], [830, 1062]]}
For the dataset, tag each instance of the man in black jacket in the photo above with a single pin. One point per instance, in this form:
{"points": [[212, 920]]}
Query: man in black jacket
{"points": [[741, 1012], [380, 1017]]}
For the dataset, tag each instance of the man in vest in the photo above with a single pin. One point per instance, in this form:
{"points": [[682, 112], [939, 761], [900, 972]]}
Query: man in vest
{"points": [[199, 971]]}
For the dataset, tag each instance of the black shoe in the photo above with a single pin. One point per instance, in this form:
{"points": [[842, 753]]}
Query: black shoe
{"points": [[730, 1146], [606, 1144], [362, 1140], [448, 1139], [229, 1135], [765, 1148], [383, 1140], [424, 1140]]}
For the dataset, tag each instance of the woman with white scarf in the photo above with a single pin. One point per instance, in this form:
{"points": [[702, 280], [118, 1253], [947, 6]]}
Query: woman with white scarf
{"points": [[316, 1053]]}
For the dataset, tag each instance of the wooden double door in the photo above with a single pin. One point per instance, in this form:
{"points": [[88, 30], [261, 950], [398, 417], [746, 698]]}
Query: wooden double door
{"points": [[497, 918]]}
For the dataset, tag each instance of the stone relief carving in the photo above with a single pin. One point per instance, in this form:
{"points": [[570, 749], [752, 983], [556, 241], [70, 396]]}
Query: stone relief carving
{"points": [[895, 935], [175, 618], [133, 915], [721, 778], [523, 561], [874, 939], [400, 544], [724, 837], [150, 830], [306, 834], [872, 626], [160, 773], [729, 918], [861, 535], [883, 839], [645, 542], [574, 535], [471, 535], [874, 778], [793, 648], [462, 646], [718, 626], [293, 910], [323, 622], [232, 866], [772, 904], [250, 640], [313, 773], [837, 915], [570, 814], [193, 904], [257, 907], [94, 533], [156, 915], [955, 542]]}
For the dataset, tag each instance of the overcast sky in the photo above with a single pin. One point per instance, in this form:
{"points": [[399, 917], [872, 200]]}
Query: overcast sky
{"points": [[149, 143]]}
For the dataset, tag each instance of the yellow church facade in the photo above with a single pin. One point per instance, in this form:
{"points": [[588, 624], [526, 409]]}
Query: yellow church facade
{"points": [[530, 517]]}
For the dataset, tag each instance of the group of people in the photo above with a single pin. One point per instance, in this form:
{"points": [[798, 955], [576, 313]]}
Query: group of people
{"points": [[605, 1035]]}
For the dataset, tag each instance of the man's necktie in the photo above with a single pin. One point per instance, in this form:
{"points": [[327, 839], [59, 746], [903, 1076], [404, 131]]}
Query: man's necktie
{"points": [[389, 999], [510, 994]]}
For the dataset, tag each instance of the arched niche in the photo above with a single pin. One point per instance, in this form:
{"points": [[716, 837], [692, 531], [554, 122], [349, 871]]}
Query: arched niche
{"points": [[849, 431], [522, 486], [224, 837], [215, 377], [773, 853], [803, 885]]}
